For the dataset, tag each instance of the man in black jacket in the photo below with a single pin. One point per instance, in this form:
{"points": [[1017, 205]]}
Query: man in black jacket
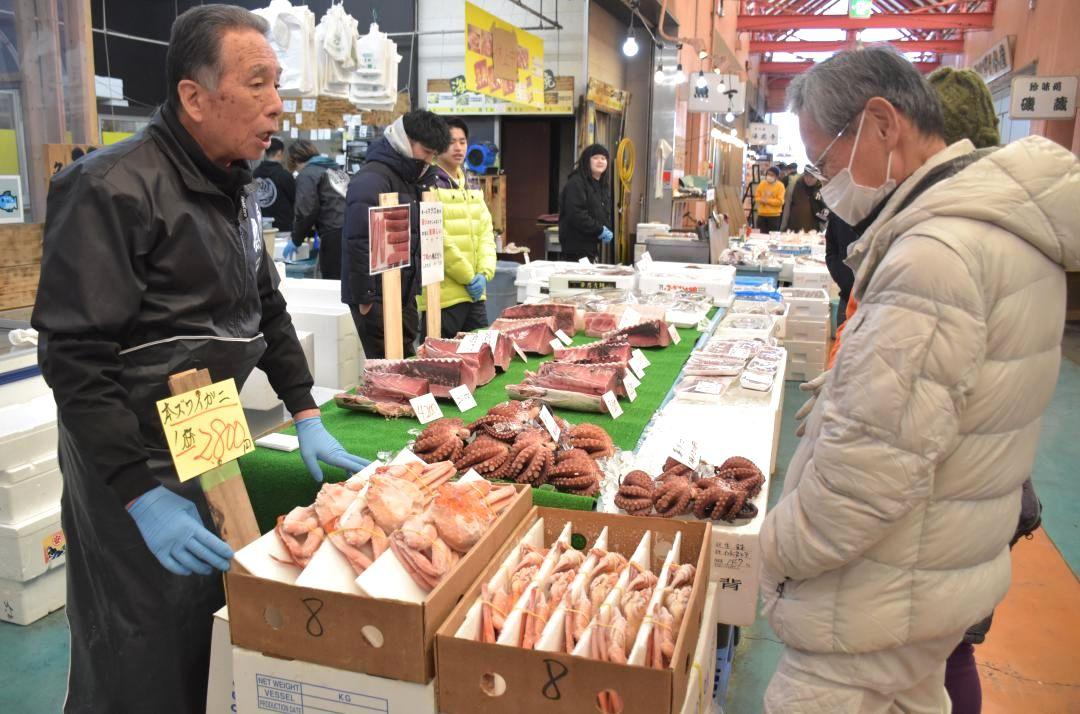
{"points": [[275, 188], [395, 163], [320, 205], [154, 264]]}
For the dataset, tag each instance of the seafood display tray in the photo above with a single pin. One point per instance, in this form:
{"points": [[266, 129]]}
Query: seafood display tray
{"points": [[386, 638], [534, 681]]}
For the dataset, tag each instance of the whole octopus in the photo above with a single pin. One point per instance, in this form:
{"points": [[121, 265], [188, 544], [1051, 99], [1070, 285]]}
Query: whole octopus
{"points": [[721, 493]]}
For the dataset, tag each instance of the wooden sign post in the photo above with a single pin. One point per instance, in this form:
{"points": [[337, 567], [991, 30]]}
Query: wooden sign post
{"points": [[393, 341], [432, 292], [226, 495]]}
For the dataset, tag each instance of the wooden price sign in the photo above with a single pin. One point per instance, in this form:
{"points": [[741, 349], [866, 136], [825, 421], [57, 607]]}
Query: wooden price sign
{"points": [[205, 426], [432, 271]]}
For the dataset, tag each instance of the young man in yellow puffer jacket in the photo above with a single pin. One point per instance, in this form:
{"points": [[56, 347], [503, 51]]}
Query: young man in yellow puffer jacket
{"points": [[468, 238]]}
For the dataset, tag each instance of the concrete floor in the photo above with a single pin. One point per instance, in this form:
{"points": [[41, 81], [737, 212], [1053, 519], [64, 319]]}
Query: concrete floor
{"points": [[1027, 664]]}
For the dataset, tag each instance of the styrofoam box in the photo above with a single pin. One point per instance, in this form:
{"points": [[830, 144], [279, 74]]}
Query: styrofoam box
{"points": [[32, 546], [566, 283], [30, 494], [258, 394], [338, 352], [26, 602], [716, 285], [807, 303], [781, 322], [811, 354], [802, 372], [811, 275], [27, 431], [264, 683], [314, 292], [666, 266], [699, 690], [809, 330], [220, 694]]}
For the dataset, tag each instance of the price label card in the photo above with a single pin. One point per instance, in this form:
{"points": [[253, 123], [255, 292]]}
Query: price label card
{"points": [[470, 475], [205, 428], [294, 133], [584, 261], [431, 243], [636, 368], [641, 358], [630, 383], [299, 118], [519, 351], [556, 344], [703, 325], [714, 388], [686, 453], [563, 337], [492, 339], [463, 397], [472, 343], [308, 105], [426, 408], [549, 423], [612, 404], [645, 261], [629, 318], [674, 332], [285, 124], [288, 106]]}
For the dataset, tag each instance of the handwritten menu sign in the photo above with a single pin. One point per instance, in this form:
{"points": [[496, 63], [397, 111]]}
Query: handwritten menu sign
{"points": [[431, 243], [205, 428]]}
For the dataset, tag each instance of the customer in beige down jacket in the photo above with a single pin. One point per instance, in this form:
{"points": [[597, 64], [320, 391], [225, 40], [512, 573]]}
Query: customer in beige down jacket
{"points": [[891, 536]]}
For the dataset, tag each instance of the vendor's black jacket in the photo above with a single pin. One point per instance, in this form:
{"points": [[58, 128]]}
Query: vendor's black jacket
{"points": [[384, 171], [275, 192], [153, 264], [320, 198], [584, 211]]}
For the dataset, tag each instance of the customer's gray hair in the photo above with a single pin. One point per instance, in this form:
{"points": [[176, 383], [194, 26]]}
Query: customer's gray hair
{"points": [[195, 44], [834, 91]]}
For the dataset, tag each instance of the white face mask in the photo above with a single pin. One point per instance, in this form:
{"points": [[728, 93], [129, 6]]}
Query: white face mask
{"points": [[847, 199]]}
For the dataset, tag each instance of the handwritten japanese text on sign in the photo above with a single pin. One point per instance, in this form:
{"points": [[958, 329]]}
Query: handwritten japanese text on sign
{"points": [[431, 243], [205, 428]]}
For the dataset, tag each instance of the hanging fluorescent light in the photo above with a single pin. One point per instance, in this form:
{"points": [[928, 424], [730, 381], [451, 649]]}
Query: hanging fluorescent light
{"points": [[680, 76]]}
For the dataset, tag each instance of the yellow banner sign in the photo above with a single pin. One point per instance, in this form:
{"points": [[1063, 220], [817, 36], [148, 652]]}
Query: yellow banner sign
{"points": [[205, 428], [502, 61]]}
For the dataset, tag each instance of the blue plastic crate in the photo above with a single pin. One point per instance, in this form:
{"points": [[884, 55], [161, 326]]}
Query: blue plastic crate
{"points": [[742, 280], [725, 653]]}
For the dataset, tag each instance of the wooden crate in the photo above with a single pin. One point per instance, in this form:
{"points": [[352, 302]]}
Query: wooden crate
{"points": [[495, 196], [20, 264]]}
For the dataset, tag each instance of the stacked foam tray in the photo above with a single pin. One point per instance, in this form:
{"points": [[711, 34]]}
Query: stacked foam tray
{"points": [[32, 545], [806, 331], [315, 306]]}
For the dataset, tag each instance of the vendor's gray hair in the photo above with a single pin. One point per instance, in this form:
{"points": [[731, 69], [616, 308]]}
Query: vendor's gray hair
{"points": [[834, 91], [195, 44]]}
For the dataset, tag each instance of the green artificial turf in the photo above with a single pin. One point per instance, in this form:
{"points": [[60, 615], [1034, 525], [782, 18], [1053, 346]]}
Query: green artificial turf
{"points": [[277, 481]]}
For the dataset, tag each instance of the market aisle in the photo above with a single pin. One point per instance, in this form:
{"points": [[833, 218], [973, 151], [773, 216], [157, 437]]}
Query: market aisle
{"points": [[33, 679]]}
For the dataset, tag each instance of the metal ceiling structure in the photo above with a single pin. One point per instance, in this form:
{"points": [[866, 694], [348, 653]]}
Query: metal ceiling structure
{"points": [[790, 35]]}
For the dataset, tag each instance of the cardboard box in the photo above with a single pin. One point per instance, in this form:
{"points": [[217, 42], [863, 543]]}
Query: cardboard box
{"points": [[26, 602], [32, 546], [324, 627], [550, 682], [809, 330], [280, 685]]}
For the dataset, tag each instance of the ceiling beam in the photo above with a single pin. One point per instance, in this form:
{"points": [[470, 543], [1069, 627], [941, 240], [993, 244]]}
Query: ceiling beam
{"points": [[782, 68], [944, 46], [922, 21]]}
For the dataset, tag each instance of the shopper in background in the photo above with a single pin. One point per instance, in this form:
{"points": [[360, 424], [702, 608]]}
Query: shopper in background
{"points": [[792, 177], [320, 204], [468, 238], [395, 164], [153, 264], [838, 239], [891, 537], [585, 206], [275, 187], [968, 107], [769, 197], [803, 206]]}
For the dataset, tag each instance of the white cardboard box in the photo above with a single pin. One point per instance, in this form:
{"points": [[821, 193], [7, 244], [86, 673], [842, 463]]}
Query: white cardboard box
{"points": [[26, 602], [32, 546], [809, 330], [27, 497], [27, 431], [715, 284], [278, 685]]}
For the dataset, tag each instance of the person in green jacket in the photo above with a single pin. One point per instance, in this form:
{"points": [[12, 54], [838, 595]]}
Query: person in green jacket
{"points": [[468, 238]]}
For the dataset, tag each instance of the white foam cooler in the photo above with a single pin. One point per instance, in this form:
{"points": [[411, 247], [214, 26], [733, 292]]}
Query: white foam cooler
{"points": [[715, 282], [26, 602], [338, 354], [258, 394], [27, 431], [29, 489], [573, 284], [32, 546]]}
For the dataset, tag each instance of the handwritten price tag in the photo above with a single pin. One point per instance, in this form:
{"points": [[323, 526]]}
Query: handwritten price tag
{"points": [[636, 368], [630, 317], [641, 358], [674, 332], [463, 398], [472, 343], [563, 337], [431, 243], [426, 408], [703, 325], [713, 388], [492, 339], [644, 262], [631, 384], [556, 344], [612, 404], [686, 453], [519, 351], [584, 261], [205, 428], [549, 423]]}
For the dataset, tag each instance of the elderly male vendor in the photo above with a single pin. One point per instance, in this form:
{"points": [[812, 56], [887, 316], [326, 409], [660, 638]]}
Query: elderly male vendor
{"points": [[154, 264]]}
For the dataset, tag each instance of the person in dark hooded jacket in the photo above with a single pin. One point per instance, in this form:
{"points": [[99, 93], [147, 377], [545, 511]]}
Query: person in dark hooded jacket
{"points": [[395, 163], [320, 204], [585, 206]]}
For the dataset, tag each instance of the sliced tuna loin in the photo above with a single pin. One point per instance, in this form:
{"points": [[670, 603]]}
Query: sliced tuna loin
{"points": [[504, 349], [616, 349], [598, 324], [533, 335], [385, 393], [594, 379], [442, 374], [565, 315], [482, 362], [653, 333]]}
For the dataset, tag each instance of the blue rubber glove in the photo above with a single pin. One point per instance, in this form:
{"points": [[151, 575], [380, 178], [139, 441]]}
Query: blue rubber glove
{"points": [[171, 526], [290, 252], [476, 287], [606, 235], [317, 445]]}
